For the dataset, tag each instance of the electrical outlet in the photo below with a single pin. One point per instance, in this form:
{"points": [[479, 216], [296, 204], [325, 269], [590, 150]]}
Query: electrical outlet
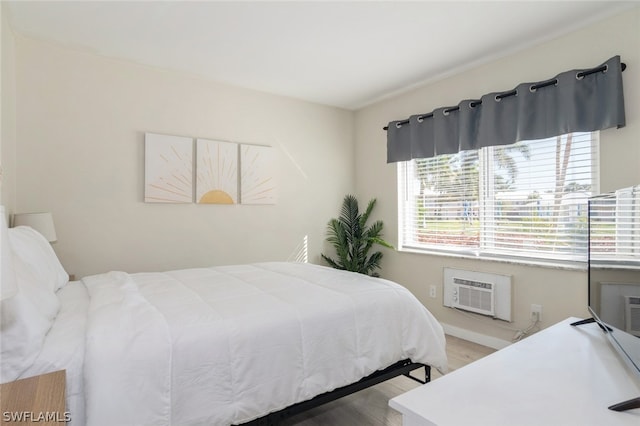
{"points": [[536, 312], [432, 291]]}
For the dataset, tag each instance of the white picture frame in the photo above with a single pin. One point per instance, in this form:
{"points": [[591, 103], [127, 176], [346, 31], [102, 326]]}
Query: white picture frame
{"points": [[216, 172], [257, 174], [168, 171]]}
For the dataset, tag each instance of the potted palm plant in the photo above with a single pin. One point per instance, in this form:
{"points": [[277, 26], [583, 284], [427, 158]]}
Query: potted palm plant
{"points": [[352, 239]]}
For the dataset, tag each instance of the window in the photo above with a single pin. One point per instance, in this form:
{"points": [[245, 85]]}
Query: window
{"points": [[526, 200]]}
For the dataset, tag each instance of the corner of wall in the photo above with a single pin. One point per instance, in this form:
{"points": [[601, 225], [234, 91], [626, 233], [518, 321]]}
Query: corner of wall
{"points": [[8, 114]]}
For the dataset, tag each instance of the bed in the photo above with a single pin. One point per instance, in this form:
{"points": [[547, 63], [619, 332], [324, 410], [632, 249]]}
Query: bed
{"points": [[205, 346]]}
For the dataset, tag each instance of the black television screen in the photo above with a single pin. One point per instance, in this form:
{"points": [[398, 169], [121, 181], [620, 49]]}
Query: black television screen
{"points": [[614, 273]]}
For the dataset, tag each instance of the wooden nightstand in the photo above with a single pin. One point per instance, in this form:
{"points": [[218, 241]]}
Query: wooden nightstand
{"points": [[38, 400]]}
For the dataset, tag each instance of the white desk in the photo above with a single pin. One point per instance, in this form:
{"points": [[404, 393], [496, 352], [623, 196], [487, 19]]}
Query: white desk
{"points": [[561, 376]]}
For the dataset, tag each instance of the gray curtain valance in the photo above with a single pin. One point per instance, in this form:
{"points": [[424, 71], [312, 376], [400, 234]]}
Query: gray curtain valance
{"points": [[574, 101]]}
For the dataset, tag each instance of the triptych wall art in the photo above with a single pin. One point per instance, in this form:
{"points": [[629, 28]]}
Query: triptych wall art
{"points": [[225, 172]]}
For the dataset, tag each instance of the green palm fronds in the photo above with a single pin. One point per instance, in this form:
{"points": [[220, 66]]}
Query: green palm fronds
{"points": [[353, 239]]}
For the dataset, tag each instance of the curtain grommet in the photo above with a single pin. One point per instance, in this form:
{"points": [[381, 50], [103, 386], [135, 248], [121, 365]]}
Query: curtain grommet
{"points": [[533, 88], [420, 119], [579, 76], [499, 96], [398, 125]]}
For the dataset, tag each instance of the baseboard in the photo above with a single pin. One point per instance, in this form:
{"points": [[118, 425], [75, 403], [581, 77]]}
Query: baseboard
{"points": [[472, 336]]}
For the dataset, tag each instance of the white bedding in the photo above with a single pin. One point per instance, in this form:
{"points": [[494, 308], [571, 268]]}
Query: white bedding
{"points": [[63, 347], [225, 345]]}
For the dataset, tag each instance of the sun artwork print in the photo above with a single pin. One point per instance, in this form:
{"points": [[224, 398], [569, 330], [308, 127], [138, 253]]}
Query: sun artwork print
{"points": [[257, 175], [168, 169], [216, 172]]}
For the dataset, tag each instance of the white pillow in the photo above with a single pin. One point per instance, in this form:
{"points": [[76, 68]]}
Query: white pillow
{"points": [[27, 315], [36, 252], [7, 277], [22, 333], [39, 294]]}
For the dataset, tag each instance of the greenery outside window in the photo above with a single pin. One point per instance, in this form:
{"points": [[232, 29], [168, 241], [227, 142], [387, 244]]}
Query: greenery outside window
{"points": [[527, 200]]}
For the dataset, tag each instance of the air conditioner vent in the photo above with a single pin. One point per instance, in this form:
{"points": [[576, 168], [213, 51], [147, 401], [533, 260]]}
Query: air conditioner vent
{"points": [[479, 292], [632, 315], [475, 296]]}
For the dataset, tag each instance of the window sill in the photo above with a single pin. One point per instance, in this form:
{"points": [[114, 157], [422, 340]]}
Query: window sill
{"points": [[542, 263]]}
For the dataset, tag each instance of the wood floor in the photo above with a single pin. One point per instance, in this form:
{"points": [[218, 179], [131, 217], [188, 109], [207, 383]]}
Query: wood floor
{"points": [[371, 406]]}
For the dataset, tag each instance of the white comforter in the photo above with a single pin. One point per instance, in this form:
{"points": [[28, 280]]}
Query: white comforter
{"points": [[225, 345]]}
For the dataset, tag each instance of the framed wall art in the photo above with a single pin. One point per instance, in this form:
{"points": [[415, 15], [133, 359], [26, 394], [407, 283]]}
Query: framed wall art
{"points": [[168, 169], [216, 172], [257, 175]]}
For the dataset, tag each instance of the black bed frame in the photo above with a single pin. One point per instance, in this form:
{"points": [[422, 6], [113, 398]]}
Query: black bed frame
{"points": [[400, 368]]}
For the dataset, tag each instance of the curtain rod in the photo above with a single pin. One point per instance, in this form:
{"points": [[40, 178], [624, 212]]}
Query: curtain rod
{"points": [[536, 86]]}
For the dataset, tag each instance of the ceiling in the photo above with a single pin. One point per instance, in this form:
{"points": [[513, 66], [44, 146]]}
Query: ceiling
{"points": [[343, 54]]}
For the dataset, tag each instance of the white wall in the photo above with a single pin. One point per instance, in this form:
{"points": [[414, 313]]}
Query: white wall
{"points": [[81, 120], [79, 153], [8, 113], [562, 293]]}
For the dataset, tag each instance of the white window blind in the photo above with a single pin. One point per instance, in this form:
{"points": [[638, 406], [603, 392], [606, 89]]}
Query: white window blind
{"points": [[527, 200], [615, 227]]}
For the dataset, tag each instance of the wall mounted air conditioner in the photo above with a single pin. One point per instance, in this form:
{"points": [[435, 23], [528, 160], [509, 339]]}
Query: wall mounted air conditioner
{"points": [[479, 292], [632, 315]]}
